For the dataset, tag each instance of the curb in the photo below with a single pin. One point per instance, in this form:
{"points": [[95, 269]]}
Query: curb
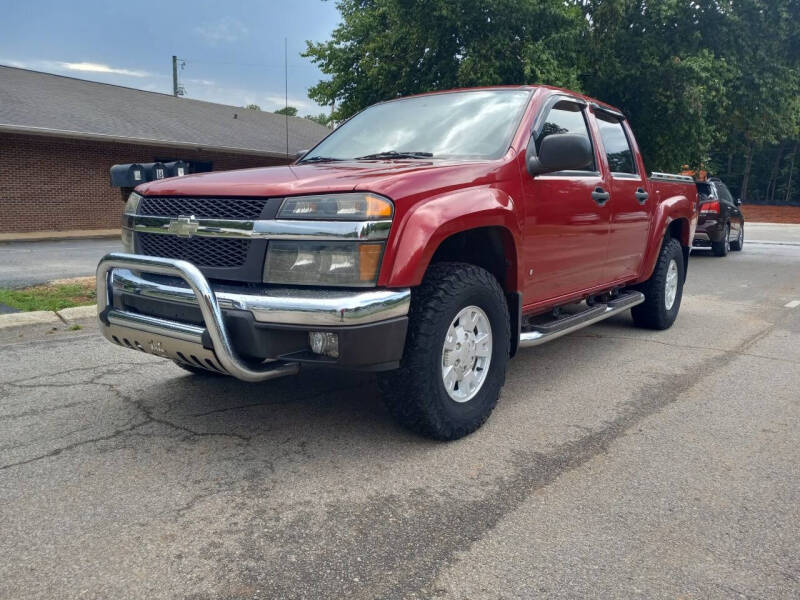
{"points": [[77, 313], [51, 236], [46, 317], [36, 317]]}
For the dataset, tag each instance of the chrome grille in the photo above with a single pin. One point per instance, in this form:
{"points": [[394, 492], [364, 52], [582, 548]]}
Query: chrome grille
{"points": [[246, 209], [202, 251]]}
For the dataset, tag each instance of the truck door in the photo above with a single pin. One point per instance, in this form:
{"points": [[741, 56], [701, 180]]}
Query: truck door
{"points": [[630, 204], [566, 214]]}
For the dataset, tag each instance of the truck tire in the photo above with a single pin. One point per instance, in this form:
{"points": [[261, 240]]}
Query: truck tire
{"points": [[722, 248], [664, 289], [457, 348], [739, 243]]}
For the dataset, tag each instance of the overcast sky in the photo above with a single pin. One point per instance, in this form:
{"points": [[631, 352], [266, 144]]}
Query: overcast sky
{"points": [[233, 49]]}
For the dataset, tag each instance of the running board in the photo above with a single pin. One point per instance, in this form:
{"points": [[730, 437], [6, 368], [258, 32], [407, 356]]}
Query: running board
{"points": [[549, 331]]}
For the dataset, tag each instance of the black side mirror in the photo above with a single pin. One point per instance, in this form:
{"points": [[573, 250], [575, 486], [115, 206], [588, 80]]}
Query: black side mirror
{"points": [[560, 152], [301, 153]]}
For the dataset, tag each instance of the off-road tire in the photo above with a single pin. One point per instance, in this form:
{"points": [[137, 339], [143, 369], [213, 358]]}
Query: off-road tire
{"points": [[653, 313], [415, 394], [198, 370], [739, 243], [722, 248]]}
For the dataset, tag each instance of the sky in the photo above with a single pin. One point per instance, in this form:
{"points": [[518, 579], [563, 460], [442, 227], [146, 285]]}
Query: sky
{"points": [[233, 50]]}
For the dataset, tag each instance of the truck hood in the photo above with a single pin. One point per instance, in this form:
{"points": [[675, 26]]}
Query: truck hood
{"points": [[391, 178]]}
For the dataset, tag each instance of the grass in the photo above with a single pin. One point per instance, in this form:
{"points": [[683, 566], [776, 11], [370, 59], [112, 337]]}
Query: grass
{"points": [[51, 296]]}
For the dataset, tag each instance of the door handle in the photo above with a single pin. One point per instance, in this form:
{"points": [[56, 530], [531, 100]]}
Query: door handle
{"points": [[641, 195], [600, 196]]}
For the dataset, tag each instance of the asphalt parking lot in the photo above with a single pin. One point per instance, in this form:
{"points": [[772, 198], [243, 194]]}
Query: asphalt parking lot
{"points": [[619, 463]]}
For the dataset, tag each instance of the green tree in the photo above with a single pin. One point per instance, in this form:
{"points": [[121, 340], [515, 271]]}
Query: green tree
{"points": [[321, 118], [253, 106], [389, 48], [287, 110]]}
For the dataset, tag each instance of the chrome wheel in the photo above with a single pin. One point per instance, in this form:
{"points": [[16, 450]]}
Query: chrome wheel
{"points": [[466, 354], [727, 238], [671, 284]]}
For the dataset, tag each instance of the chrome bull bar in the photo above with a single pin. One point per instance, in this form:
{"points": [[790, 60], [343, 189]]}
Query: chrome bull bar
{"points": [[179, 341]]}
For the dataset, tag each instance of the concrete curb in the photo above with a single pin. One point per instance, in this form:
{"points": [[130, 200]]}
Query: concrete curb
{"points": [[45, 317], [77, 313], [36, 317]]}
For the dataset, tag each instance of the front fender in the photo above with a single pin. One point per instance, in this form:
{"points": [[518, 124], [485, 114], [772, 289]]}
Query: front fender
{"points": [[428, 223], [674, 208]]}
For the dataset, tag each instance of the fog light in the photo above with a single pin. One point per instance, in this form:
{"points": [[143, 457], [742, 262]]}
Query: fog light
{"points": [[324, 342]]}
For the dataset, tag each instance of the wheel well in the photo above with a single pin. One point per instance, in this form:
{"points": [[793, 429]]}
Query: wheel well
{"points": [[679, 229], [491, 248]]}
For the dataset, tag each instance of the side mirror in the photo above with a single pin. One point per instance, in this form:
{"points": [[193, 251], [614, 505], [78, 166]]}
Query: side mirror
{"points": [[560, 152], [301, 153]]}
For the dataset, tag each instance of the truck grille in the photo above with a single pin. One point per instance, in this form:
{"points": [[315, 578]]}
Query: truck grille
{"points": [[202, 251], [245, 209]]}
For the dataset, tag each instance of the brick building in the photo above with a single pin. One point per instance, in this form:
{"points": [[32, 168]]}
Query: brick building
{"points": [[59, 137]]}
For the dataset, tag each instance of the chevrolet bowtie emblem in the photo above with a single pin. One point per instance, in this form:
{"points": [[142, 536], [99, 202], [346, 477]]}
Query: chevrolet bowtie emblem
{"points": [[183, 226]]}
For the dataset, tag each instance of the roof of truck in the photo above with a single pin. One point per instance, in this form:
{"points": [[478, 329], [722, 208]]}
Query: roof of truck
{"points": [[552, 88]]}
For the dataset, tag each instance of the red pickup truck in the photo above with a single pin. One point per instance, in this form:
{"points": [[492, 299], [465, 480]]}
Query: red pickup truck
{"points": [[427, 238]]}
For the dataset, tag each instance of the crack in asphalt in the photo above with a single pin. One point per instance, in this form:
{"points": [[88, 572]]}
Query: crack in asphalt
{"points": [[146, 412]]}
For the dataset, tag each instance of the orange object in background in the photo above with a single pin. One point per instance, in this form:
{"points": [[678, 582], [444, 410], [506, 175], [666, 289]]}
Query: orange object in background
{"points": [[702, 176]]}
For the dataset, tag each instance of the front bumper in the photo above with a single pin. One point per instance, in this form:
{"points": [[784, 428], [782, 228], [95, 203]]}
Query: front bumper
{"points": [[168, 308]]}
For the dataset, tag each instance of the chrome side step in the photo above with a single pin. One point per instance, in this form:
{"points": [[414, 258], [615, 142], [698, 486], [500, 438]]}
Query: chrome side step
{"points": [[554, 329]]}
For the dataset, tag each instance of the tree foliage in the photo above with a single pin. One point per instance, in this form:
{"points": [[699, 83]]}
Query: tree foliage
{"points": [[321, 118], [704, 83], [287, 110]]}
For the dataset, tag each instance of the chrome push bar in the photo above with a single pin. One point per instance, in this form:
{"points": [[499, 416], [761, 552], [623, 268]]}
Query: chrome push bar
{"points": [[179, 341]]}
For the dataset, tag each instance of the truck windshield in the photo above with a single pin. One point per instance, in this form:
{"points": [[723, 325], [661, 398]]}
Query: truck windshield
{"points": [[455, 125]]}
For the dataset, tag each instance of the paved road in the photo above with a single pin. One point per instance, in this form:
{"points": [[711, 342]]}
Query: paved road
{"points": [[619, 463], [29, 263]]}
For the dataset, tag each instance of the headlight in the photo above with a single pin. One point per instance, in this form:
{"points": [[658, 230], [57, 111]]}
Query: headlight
{"points": [[323, 263], [131, 206], [341, 207]]}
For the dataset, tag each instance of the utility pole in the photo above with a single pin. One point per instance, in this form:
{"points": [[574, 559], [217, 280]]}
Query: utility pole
{"points": [[174, 75], [286, 88], [177, 89]]}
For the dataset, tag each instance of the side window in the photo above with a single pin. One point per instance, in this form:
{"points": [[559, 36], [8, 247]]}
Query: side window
{"points": [[565, 117], [616, 144]]}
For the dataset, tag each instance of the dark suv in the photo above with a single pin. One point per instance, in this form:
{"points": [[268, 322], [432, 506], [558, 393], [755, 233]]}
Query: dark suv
{"points": [[721, 223]]}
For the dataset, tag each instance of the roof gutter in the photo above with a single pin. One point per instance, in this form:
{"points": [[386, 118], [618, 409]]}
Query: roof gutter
{"points": [[104, 137]]}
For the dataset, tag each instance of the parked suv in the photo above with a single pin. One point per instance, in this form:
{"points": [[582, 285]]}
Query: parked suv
{"points": [[427, 238], [720, 225]]}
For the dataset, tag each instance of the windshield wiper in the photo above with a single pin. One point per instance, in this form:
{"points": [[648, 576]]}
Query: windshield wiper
{"points": [[394, 154], [320, 159]]}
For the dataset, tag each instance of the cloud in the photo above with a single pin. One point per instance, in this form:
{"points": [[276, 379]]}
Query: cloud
{"points": [[60, 66], [100, 68], [226, 30], [198, 81]]}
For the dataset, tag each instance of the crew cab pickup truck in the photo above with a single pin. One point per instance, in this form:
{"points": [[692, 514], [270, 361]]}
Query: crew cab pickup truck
{"points": [[427, 238]]}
